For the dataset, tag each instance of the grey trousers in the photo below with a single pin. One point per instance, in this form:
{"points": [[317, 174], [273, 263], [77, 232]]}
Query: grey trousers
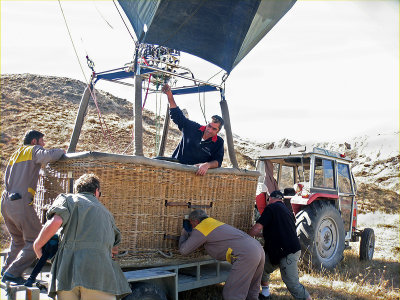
{"points": [[289, 273], [245, 277], [24, 226]]}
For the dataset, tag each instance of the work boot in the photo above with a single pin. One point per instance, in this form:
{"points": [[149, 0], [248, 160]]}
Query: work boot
{"points": [[29, 282], [14, 279]]}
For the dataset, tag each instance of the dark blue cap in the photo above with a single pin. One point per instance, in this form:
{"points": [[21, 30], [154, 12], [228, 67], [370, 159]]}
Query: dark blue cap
{"points": [[276, 194]]}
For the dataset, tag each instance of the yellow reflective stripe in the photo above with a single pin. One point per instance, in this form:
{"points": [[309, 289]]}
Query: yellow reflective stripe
{"points": [[229, 255], [208, 225], [32, 191], [22, 154]]}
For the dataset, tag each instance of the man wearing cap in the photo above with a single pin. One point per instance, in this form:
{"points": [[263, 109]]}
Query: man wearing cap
{"points": [[224, 242], [282, 246], [200, 145], [20, 180]]}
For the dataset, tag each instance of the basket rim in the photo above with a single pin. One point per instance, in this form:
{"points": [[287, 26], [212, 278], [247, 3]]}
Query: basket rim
{"points": [[119, 158]]}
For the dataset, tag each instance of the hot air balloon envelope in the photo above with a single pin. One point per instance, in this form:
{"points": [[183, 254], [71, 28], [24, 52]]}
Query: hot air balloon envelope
{"points": [[219, 31]]}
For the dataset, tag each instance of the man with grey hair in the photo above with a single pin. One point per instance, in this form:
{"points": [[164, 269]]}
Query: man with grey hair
{"points": [[83, 267], [224, 242]]}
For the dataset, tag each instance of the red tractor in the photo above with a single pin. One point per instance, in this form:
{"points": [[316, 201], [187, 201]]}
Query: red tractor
{"points": [[319, 188]]}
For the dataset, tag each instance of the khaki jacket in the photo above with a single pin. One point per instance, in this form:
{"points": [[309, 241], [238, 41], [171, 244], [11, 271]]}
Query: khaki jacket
{"points": [[88, 233], [22, 172]]}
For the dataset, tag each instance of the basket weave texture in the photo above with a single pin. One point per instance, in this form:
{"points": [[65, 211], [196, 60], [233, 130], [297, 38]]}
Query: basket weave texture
{"points": [[149, 202]]}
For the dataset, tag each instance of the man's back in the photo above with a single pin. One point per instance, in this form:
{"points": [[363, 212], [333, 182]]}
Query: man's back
{"points": [[20, 181], [85, 220], [87, 237], [22, 171], [217, 238], [279, 231]]}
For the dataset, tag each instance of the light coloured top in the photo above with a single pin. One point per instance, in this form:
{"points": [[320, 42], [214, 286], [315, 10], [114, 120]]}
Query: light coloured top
{"points": [[84, 254], [22, 172], [220, 240]]}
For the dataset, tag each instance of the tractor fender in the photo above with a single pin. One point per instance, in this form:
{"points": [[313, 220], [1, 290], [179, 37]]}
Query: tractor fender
{"points": [[321, 196], [299, 202]]}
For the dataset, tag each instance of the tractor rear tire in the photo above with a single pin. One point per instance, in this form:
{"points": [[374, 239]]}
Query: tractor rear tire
{"points": [[145, 291], [367, 244], [321, 233]]}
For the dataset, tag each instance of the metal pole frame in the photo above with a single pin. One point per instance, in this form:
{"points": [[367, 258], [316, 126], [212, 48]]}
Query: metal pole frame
{"points": [[80, 117], [139, 117], [228, 130]]}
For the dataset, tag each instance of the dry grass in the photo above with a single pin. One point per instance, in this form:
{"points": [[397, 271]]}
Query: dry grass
{"points": [[371, 198], [351, 279], [355, 279]]}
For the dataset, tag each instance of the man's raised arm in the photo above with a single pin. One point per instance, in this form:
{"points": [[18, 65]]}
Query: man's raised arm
{"points": [[167, 91]]}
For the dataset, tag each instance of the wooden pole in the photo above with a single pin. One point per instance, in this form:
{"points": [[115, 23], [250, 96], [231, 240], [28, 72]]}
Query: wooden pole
{"points": [[138, 116], [228, 132], [163, 142], [79, 119]]}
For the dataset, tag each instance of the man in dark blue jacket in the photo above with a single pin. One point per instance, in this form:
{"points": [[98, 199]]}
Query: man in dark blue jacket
{"points": [[200, 145]]}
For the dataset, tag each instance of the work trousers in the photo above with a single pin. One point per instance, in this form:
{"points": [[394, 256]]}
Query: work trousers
{"points": [[24, 226], [81, 293], [289, 274], [245, 277]]}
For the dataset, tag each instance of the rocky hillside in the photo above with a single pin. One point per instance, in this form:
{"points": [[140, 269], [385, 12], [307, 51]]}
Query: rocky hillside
{"points": [[50, 105]]}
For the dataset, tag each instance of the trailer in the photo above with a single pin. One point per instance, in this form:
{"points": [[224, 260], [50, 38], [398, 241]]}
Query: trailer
{"points": [[149, 283]]}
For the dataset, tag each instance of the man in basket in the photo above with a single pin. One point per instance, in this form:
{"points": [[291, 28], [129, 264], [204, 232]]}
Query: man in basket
{"points": [[200, 145]]}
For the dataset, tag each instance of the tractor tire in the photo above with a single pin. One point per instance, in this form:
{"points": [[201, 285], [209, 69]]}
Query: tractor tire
{"points": [[321, 233], [367, 244], [145, 291]]}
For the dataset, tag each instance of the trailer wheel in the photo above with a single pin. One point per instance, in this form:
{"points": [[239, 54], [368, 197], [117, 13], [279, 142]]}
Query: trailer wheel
{"points": [[320, 229], [367, 244], [145, 291]]}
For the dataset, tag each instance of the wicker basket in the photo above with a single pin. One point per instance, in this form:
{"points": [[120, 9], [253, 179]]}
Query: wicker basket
{"points": [[149, 199]]}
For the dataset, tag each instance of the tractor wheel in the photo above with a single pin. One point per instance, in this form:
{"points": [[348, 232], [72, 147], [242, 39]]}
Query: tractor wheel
{"points": [[367, 244], [145, 291], [321, 232]]}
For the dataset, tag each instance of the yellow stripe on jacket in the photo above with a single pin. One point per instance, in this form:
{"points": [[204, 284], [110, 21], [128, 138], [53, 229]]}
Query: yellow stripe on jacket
{"points": [[32, 191], [208, 225], [22, 154]]}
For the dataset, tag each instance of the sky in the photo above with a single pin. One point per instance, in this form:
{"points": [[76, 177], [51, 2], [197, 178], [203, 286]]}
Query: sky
{"points": [[328, 71]]}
